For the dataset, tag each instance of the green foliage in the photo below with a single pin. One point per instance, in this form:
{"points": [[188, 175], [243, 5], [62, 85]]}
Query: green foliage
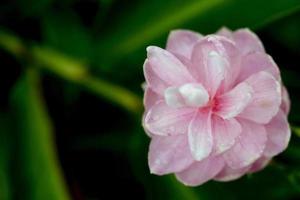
{"points": [[143, 27], [64, 31], [38, 171], [5, 156]]}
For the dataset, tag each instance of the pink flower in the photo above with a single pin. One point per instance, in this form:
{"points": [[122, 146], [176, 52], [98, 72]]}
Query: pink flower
{"points": [[215, 106]]}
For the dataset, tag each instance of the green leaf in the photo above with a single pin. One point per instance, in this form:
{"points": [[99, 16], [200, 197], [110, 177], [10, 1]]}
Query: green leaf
{"points": [[32, 7], [38, 171], [5, 157], [152, 21], [65, 32]]}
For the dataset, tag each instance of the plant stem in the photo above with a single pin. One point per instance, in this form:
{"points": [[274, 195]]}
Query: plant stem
{"points": [[72, 70]]}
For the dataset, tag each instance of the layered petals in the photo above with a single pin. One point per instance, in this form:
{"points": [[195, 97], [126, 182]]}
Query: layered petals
{"points": [[150, 98], [225, 133], [215, 106], [182, 42], [266, 98], [211, 60], [231, 104], [163, 69], [279, 133], [169, 154], [164, 120], [201, 171], [230, 174], [256, 62], [249, 146], [247, 42]]}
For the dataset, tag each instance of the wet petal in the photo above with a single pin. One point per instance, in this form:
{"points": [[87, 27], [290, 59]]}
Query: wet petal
{"points": [[201, 171], [229, 174], [266, 98], [182, 42], [278, 133], [164, 120], [150, 98], [248, 146], [259, 164], [169, 154], [255, 62], [214, 59], [247, 41], [224, 132], [200, 135], [194, 94], [235, 101]]}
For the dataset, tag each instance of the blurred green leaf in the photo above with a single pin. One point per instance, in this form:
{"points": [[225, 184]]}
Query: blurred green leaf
{"points": [[33, 7], [154, 19], [5, 157], [65, 32], [39, 174], [287, 31]]}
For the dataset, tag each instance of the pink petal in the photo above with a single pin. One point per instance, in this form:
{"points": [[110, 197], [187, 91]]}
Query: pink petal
{"points": [[248, 147], [259, 164], [150, 98], [247, 41], [278, 133], [182, 42], [224, 133], [286, 103], [173, 97], [214, 59], [201, 172], [229, 174], [266, 99], [164, 120], [224, 31], [154, 82], [200, 135], [234, 102], [165, 70], [169, 154], [255, 62]]}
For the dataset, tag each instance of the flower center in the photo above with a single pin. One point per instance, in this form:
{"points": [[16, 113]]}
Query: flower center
{"points": [[190, 94]]}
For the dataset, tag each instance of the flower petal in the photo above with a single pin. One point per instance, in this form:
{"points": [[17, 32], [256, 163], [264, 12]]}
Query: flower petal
{"points": [[266, 98], [259, 164], [169, 154], [200, 135], [229, 174], [278, 133], [150, 98], [247, 41], [164, 120], [163, 69], [154, 81], [224, 133], [234, 102], [173, 97], [226, 32], [286, 103], [248, 146], [255, 62], [194, 94], [214, 59], [201, 172], [182, 42]]}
